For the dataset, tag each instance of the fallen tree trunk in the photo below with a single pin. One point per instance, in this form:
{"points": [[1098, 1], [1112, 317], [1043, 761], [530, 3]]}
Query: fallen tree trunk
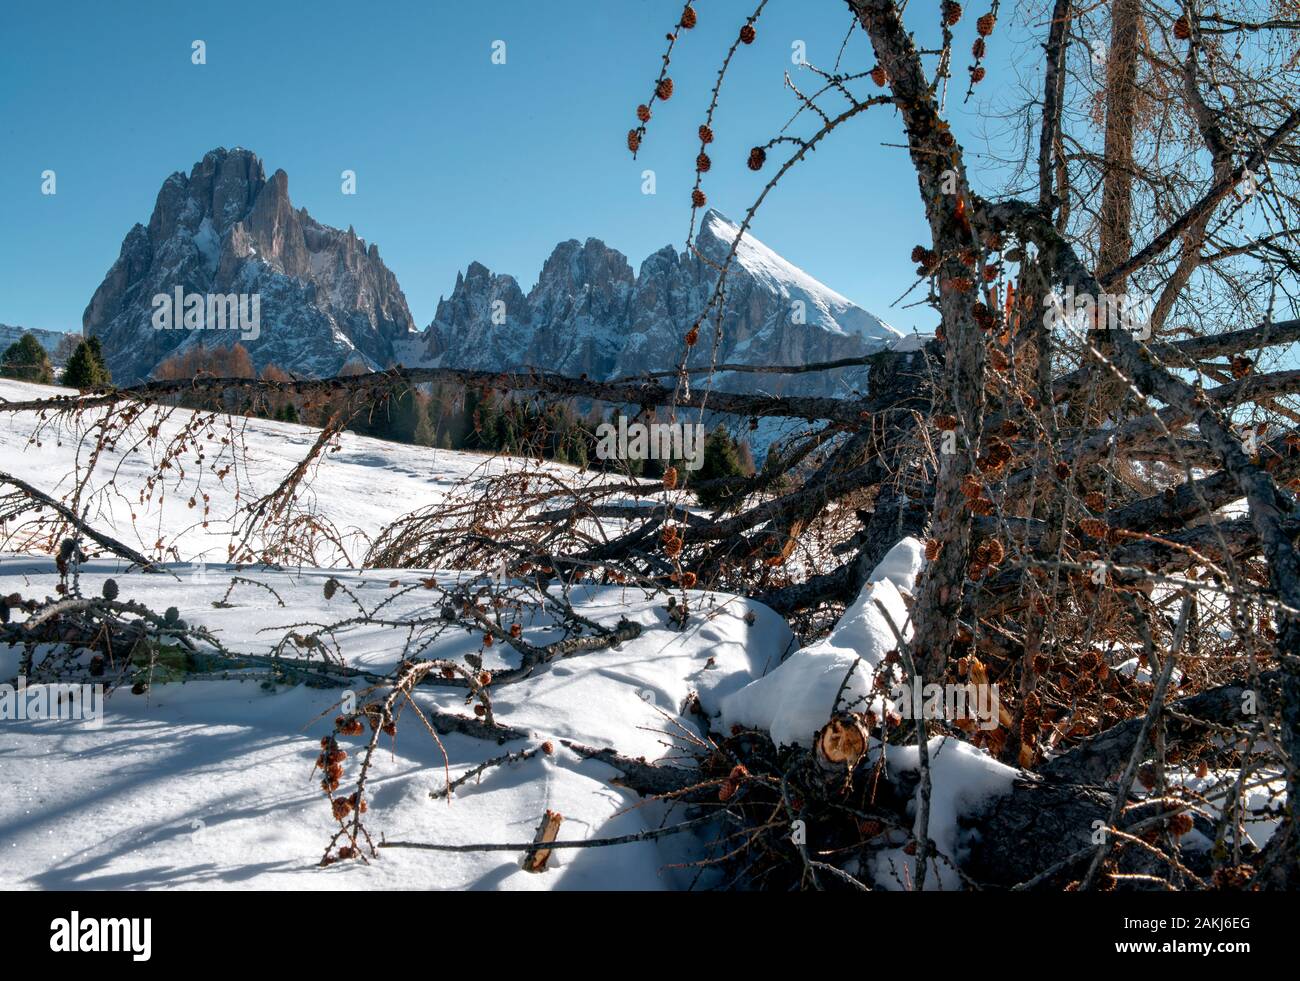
{"points": [[1051, 818]]}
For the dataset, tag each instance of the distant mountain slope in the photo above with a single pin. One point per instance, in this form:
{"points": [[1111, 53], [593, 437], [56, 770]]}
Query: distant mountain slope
{"points": [[325, 297], [589, 313]]}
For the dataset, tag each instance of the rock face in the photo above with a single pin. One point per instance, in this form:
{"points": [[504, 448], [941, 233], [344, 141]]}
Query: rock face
{"points": [[324, 297], [589, 313]]}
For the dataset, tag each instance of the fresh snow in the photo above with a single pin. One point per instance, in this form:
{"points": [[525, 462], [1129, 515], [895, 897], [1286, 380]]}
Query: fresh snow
{"points": [[362, 488], [209, 784], [963, 781], [797, 699]]}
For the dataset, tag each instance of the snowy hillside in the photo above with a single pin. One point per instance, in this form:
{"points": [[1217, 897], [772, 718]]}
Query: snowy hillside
{"points": [[210, 783], [364, 486], [160, 815]]}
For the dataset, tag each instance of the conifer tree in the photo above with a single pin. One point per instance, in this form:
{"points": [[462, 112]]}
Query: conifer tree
{"points": [[27, 361]]}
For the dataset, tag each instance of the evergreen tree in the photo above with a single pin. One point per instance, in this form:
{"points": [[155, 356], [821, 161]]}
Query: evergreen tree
{"points": [[97, 352], [86, 368], [80, 370], [26, 360], [486, 434], [722, 458]]}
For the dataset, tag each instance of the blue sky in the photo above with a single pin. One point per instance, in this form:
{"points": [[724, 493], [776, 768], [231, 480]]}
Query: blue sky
{"points": [[457, 159]]}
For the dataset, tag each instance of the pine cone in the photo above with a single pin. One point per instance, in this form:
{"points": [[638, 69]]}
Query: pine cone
{"points": [[1094, 527], [757, 157], [989, 553], [747, 34]]}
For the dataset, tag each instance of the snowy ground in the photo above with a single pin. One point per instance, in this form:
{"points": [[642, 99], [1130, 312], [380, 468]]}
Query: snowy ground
{"points": [[210, 784], [358, 490]]}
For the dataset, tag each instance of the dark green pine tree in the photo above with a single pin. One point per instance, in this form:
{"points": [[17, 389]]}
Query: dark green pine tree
{"points": [[722, 458], [26, 360], [487, 425], [97, 352], [81, 369]]}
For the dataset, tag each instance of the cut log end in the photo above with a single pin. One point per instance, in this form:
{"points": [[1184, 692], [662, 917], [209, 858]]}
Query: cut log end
{"points": [[842, 742]]}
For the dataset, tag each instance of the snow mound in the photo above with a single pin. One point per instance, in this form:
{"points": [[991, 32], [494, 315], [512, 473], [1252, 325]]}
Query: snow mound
{"points": [[963, 781], [797, 699]]}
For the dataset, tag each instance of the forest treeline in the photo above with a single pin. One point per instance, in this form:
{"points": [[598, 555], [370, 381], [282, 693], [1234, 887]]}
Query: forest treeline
{"points": [[450, 417]]}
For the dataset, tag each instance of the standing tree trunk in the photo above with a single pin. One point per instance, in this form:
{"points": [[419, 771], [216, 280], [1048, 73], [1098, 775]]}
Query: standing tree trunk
{"points": [[1116, 216]]}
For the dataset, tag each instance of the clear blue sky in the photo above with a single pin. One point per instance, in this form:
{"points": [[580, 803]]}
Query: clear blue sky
{"points": [[456, 158]]}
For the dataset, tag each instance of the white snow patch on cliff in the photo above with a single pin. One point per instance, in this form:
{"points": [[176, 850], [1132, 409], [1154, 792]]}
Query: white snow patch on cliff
{"points": [[825, 307]]}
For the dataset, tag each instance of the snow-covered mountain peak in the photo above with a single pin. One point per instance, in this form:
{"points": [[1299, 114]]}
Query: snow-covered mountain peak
{"points": [[591, 314], [823, 306]]}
